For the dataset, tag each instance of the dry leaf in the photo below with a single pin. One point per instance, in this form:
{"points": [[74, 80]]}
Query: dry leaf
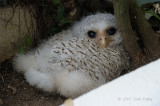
{"points": [[72, 13], [12, 88]]}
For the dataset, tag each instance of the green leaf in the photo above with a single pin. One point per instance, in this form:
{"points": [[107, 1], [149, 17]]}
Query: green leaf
{"points": [[28, 41], [65, 21], [5, 2], [139, 4], [148, 16], [56, 2], [60, 11], [146, 1], [153, 13], [21, 49], [53, 30]]}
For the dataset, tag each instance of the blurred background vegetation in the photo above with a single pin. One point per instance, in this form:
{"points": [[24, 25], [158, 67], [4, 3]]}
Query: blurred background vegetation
{"points": [[52, 16]]}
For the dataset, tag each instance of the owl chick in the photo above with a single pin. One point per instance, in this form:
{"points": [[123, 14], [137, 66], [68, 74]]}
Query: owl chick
{"points": [[77, 60]]}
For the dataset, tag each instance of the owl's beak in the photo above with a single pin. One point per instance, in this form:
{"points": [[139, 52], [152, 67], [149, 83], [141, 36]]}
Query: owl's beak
{"points": [[104, 41]]}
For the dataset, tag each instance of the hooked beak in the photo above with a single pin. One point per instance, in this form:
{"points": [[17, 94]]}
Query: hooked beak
{"points": [[103, 41]]}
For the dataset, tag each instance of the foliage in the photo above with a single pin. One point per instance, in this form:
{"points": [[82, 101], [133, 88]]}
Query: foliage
{"points": [[56, 2], [152, 13], [4, 2], [21, 49], [61, 19], [27, 43], [149, 9], [60, 11], [146, 1]]}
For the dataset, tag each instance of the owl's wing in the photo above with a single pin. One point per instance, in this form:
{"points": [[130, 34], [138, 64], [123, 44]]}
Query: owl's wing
{"points": [[66, 52], [63, 50]]}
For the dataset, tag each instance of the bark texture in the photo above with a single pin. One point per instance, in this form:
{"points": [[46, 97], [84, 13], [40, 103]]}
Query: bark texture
{"points": [[16, 23], [138, 36], [121, 9], [143, 27]]}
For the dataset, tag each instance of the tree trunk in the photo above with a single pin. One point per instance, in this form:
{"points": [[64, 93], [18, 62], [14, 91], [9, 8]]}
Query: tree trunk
{"points": [[121, 10], [16, 24], [143, 27]]}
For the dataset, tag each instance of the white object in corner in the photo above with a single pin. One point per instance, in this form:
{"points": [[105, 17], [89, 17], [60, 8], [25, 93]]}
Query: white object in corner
{"points": [[138, 88]]}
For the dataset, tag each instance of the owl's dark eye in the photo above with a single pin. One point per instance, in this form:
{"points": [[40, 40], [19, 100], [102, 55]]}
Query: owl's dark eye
{"points": [[91, 34], [111, 31]]}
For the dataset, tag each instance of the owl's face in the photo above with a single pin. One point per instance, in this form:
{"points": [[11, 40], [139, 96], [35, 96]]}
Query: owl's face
{"points": [[99, 28]]}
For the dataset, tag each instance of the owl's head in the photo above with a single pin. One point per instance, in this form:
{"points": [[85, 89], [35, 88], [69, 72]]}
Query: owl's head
{"points": [[100, 28]]}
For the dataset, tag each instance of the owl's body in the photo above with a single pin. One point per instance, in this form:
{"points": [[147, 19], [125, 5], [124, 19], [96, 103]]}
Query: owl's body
{"points": [[71, 63]]}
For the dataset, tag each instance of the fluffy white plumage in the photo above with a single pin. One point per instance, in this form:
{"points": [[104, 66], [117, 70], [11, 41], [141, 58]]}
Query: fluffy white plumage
{"points": [[77, 60]]}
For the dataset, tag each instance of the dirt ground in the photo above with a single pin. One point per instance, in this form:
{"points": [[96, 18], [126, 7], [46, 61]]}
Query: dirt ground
{"points": [[15, 91]]}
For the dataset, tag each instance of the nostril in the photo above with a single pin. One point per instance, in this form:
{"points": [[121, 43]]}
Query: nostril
{"points": [[105, 38], [100, 38]]}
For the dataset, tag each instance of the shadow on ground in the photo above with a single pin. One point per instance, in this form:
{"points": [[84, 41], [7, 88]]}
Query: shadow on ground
{"points": [[15, 91]]}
